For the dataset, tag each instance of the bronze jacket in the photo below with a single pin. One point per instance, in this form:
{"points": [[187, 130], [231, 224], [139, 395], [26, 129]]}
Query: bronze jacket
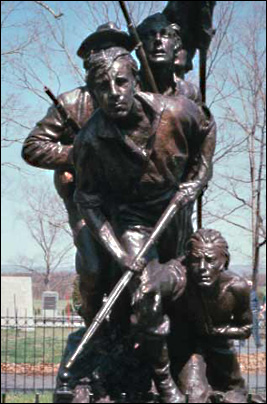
{"points": [[112, 168], [49, 145]]}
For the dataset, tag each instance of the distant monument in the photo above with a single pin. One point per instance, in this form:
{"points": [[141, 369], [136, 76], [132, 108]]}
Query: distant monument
{"points": [[49, 304], [16, 300]]}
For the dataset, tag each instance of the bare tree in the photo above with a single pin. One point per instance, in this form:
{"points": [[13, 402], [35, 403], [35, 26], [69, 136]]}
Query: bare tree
{"points": [[239, 93], [47, 225]]}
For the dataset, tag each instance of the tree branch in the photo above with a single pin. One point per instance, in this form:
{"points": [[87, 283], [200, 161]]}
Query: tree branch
{"points": [[47, 8]]}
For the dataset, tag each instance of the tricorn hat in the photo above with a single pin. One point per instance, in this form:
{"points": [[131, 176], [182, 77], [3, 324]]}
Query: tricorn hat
{"points": [[106, 35]]}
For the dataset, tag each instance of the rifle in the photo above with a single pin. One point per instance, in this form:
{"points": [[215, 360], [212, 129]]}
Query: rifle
{"points": [[161, 225], [139, 49], [68, 120]]}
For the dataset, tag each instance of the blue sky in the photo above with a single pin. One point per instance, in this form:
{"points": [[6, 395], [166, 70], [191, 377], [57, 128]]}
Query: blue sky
{"points": [[77, 23]]}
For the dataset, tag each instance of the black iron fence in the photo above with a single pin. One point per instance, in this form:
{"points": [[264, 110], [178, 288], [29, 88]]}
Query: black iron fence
{"points": [[32, 347], [31, 350]]}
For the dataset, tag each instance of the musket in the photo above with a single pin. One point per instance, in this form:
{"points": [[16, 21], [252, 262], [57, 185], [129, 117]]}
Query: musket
{"points": [[139, 49], [161, 225], [68, 120]]}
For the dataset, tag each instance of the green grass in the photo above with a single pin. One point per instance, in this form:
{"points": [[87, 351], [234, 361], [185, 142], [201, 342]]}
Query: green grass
{"points": [[28, 398], [34, 347]]}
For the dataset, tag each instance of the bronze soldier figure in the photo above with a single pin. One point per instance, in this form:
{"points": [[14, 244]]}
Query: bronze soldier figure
{"points": [[218, 308], [50, 146], [164, 49], [163, 46], [135, 153]]}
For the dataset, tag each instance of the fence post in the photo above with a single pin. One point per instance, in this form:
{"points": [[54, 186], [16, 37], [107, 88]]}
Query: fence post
{"points": [[3, 397], [249, 398], [186, 397], [37, 398]]}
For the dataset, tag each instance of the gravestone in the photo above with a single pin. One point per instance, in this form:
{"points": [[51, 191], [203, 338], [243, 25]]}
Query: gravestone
{"points": [[50, 303], [16, 301]]}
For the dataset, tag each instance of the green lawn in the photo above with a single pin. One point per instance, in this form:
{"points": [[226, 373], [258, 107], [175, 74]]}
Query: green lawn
{"points": [[27, 398], [34, 347]]}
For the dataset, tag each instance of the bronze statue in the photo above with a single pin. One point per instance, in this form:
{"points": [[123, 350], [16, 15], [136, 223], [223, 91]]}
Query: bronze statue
{"points": [[130, 160], [217, 306], [132, 156]]}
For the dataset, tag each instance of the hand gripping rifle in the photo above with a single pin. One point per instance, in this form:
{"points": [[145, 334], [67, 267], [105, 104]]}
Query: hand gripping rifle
{"points": [[163, 222]]}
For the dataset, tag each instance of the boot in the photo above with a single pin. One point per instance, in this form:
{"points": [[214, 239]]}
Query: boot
{"points": [[157, 352]]}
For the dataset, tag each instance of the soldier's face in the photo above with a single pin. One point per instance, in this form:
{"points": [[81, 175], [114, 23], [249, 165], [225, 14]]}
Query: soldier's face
{"points": [[160, 44], [115, 89], [205, 262]]}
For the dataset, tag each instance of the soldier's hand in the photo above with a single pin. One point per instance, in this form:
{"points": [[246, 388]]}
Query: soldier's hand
{"points": [[189, 191], [137, 267]]}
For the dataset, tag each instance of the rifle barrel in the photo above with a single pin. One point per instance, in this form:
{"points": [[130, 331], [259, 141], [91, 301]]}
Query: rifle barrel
{"points": [[51, 95], [161, 225]]}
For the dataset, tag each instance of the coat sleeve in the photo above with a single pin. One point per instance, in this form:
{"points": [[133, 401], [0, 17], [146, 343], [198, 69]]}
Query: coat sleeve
{"points": [[44, 147], [202, 141], [50, 144]]}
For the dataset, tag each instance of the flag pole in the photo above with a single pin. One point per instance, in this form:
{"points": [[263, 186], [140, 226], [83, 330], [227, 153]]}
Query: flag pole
{"points": [[202, 86]]}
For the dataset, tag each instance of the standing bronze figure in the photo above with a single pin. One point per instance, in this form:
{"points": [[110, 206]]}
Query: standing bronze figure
{"points": [[130, 160], [50, 146]]}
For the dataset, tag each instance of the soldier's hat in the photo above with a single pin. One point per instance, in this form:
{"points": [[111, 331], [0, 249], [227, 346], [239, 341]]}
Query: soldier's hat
{"points": [[105, 36]]}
